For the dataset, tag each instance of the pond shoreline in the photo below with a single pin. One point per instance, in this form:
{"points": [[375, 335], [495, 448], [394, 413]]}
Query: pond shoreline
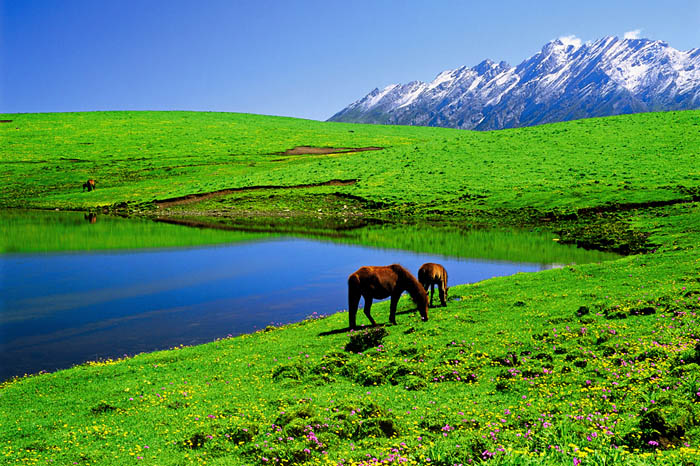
{"points": [[85, 287]]}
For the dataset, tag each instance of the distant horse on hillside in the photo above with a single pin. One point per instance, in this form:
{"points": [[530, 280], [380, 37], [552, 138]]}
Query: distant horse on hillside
{"points": [[379, 282], [431, 274], [89, 184]]}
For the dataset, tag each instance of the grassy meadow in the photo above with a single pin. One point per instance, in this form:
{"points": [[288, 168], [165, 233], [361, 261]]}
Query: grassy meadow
{"points": [[138, 157], [592, 364]]}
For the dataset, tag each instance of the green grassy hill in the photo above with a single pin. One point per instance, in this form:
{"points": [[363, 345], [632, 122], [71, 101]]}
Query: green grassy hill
{"points": [[592, 364], [143, 156]]}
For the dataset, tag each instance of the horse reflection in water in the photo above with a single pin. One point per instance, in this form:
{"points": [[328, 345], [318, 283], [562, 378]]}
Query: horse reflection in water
{"points": [[379, 282], [91, 217]]}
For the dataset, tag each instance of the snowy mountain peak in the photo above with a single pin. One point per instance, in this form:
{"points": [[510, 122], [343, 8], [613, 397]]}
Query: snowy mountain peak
{"points": [[488, 66], [567, 79], [561, 45]]}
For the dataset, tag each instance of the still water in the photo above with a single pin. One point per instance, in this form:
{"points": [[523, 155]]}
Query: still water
{"points": [[62, 309]]}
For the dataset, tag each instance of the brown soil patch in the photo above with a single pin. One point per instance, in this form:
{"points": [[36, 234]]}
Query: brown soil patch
{"points": [[310, 150], [5, 121], [190, 198], [72, 160]]}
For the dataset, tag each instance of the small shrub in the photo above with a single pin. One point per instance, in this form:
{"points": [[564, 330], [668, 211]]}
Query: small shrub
{"points": [[241, 434], [502, 386], [289, 371], [302, 412], [195, 441], [365, 339], [413, 383], [334, 359], [510, 359], [102, 408], [370, 376], [377, 427], [689, 356]]}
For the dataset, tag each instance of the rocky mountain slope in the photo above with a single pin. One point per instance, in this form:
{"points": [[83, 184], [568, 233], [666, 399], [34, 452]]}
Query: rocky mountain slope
{"points": [[564, 81]]}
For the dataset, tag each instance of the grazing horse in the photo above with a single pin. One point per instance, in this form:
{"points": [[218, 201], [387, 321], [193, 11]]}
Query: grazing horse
{"points": [[431, 274], [89, 184], [379, 282]]}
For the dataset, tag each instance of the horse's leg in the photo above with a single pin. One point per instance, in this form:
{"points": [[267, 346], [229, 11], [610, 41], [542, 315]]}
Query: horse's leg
{"points": [[443, 293], [368, 308], [353, 302], [432, 291], [392, 307]]}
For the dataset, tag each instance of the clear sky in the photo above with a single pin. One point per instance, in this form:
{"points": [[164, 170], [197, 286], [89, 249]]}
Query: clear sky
{"points": [[305, 59]]}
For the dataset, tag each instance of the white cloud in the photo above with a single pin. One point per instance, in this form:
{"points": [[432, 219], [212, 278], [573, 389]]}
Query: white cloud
{"points": [[636, 34], [571, 40]]}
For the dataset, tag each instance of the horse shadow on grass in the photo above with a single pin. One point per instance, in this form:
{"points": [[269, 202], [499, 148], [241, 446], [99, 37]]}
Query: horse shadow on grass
{"points": [[347, 329]]}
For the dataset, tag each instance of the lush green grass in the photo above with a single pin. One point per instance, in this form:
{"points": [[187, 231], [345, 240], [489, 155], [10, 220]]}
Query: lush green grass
{"points": [[597, 362], [142, 156]]}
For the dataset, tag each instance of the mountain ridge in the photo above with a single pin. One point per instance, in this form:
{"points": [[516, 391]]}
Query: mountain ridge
{"points": [[563, 81]]}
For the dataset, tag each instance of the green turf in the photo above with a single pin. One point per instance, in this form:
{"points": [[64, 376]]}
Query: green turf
{"points": [[143, 156], [597, 362]]}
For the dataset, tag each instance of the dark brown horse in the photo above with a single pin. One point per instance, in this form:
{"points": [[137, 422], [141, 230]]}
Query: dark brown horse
{"points": [[379, 282], [89, 184], [431, 274]]}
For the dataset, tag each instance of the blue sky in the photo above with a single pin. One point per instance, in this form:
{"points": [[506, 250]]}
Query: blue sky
{"points": [[305, 59]]}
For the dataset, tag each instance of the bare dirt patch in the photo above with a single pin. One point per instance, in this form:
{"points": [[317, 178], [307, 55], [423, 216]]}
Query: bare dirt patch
{"points": [[68, 159], [190, 198], [5, 121], [310, 150]]}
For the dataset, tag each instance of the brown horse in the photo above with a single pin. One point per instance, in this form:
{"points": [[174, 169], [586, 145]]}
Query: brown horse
{"points": [[89, 184], [379, 282], [431, 274]]}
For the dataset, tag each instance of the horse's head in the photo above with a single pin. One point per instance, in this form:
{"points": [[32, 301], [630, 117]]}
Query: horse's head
{"points": [[423, 307]]}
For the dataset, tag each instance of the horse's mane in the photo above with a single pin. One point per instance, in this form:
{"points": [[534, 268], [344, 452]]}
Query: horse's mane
{"points": [[413, 287]]}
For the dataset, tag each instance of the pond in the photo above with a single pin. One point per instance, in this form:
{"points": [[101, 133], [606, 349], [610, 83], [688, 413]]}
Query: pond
{"points": [[64, 308]]}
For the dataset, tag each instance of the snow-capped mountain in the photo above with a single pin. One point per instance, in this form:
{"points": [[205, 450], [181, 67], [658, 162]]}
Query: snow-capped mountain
{"points": [[564, 81]]}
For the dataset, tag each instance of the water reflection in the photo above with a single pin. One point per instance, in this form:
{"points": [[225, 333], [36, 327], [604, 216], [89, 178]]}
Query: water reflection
{"points": [[63, 309]]}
